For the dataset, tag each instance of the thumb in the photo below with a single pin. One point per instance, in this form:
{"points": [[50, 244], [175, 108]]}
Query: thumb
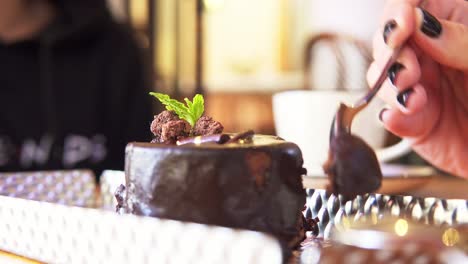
{"points": [[445, 41]]}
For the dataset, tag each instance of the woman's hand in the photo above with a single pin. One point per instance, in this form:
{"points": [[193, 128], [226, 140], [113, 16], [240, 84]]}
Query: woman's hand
{"points": [[428, 88]]}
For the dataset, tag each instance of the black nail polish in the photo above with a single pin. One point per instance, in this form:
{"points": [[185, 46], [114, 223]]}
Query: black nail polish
{"points": [[393, 71], [430, 26], [389, 27], [403, 96], [381, 114]]}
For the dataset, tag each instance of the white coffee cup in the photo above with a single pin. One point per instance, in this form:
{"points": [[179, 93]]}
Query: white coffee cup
{"points": [[304, 117]]}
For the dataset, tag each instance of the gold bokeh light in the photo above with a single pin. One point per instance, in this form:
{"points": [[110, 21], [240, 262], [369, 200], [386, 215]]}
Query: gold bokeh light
{"points": [[450, 237], [401, 227]]}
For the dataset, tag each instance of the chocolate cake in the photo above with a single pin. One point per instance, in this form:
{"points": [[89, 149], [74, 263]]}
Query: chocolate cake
{"points": [[193, 172], [255, 185]]}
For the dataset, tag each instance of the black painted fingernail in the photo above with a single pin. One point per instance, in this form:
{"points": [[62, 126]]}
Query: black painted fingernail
{"points": [[389, 27], [393, 71], [403, 96], [430, 26], [381, 114]]}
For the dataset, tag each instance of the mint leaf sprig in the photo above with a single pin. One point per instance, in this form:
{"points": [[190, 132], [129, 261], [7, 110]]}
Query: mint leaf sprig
{"points": [[190, 112]]}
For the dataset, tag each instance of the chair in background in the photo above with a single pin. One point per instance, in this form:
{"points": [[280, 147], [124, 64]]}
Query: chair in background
{"points": [[347, 53]]}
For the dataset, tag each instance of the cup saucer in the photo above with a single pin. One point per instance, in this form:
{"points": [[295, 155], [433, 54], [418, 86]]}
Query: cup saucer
{"points": [[397, 178]]}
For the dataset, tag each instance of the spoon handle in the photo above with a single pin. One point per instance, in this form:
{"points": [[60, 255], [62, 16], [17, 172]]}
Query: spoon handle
{"points": [[382, 77]]}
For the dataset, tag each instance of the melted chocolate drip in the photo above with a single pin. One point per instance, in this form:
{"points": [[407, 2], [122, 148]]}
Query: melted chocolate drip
{"points": [[311, 225], [352, 167]]}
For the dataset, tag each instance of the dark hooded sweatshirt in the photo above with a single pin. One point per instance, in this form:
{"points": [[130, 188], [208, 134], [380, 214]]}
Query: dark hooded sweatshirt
{"points": [[73, 95]]}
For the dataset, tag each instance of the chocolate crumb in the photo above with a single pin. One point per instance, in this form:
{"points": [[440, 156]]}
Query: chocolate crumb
{"points": [[174, 130], [207, 126], [311, 224], [159, 121], [168, 128]]}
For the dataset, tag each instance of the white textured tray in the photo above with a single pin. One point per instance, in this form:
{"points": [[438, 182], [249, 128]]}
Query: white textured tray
{"points": [[69, 187], [60, 234], [66, 233]]}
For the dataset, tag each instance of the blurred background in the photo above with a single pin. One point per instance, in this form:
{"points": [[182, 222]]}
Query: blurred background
{"points": [[238, 53]]}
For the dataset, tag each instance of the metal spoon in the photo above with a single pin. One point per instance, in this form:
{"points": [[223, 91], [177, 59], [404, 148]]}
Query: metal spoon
{"points": [[345, 114], [352, 166]]}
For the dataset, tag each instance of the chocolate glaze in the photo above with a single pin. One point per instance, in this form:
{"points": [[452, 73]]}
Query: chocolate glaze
{"points": [[352, 167], [256, 186]]}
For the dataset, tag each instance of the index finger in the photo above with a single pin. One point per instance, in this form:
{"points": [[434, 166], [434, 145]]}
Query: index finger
{"points": [[402, 13], [399, 22]]}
